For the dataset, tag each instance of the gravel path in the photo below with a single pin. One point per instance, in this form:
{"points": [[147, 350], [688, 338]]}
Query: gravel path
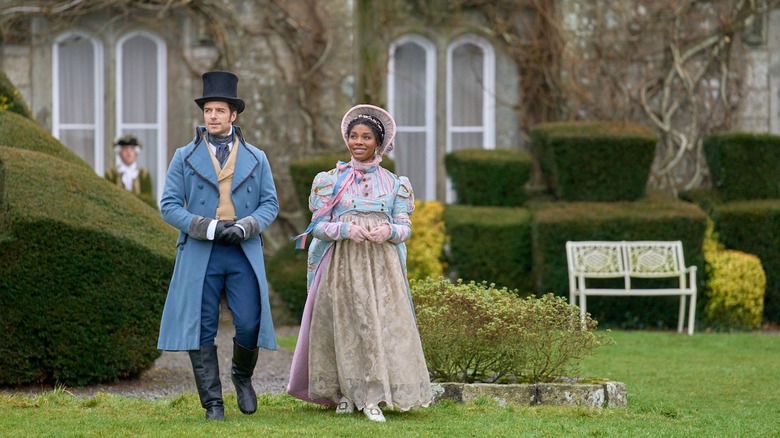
{"points": [[171, 374]]}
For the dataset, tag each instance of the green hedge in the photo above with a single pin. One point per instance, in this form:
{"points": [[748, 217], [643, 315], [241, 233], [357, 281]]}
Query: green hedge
{"points": [[744, 166], [490, 244], [22, 133], [10, 98], [650, 219], [303, 171], [754, 227], [594, 160], [84, 273], [489, 177], [287, 276]]}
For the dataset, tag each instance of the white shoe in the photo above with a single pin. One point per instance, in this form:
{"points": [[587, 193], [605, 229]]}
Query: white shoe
{"points": [[374, 414], [345, 406]]}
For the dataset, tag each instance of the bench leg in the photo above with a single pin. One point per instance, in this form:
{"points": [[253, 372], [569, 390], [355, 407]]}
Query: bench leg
{"points": [[681, 317], [583, 311], [692, 313]]}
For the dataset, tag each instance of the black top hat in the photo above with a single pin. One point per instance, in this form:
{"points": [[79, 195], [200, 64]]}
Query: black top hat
{"points": [[220, 86]]}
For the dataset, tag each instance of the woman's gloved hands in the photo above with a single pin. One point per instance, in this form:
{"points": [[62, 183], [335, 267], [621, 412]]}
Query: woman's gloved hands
{"points": [[357, 233], [381, 233]]}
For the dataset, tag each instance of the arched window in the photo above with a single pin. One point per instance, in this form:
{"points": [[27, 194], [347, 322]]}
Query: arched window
{"points": [[141, 99], [77, 96], [471, 99], [412, 102]]}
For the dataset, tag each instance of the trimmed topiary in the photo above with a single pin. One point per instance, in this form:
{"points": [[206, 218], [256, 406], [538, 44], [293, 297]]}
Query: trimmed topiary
{"points": [[491, 244], [473, 332], [22, 133], [84, 276], [743, 165], [595, 160], [489, 177]]}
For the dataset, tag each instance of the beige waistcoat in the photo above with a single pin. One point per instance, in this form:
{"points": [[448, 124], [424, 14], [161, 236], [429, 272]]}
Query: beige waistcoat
{"points": [[225, 208]]}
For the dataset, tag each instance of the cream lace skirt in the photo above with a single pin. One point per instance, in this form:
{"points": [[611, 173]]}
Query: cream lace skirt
{"points": [[363, 341]]}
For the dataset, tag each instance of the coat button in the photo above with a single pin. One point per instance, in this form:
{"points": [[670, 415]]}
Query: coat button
{"points": [[249, 189], [202, 201], [253, 175], [200, 185], [246, 205]]}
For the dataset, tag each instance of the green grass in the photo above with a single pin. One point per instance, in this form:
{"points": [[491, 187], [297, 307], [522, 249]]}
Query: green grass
{"points": [[701, 386]]}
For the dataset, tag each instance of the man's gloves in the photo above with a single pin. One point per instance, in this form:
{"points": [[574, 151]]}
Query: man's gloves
{"points": [[381, 233], [357, 233], [228, 233]]}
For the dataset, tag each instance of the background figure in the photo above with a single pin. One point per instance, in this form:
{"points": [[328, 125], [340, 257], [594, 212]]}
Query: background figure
{"points": [[359, 346], [127, 174], [220, 193]]}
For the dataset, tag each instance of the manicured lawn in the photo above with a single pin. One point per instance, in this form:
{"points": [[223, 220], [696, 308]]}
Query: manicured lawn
{"points": [[706, 385]]}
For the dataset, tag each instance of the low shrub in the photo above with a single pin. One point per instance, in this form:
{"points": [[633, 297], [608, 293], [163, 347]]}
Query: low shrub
{"points": [[735, 289], [490, 177], [474, 332], [425, 247]]}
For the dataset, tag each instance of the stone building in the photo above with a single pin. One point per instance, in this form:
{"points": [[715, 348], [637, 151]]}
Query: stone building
{"points": [[94, 74]]}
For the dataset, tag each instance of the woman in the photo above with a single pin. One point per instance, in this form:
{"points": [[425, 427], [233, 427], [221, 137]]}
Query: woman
{"points": [[358, 345]]}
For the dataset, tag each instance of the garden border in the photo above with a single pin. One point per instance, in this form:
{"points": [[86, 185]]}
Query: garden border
{"points": [[597, 395]]}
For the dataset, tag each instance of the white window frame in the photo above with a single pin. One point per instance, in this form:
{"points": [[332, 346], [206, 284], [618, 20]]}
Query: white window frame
{"points": [[430, 105], [159, 125], [488, 128], [98, 125]]}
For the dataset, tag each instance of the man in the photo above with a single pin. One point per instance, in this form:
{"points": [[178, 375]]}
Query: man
{"points": [[219, 192], [127, 174]]}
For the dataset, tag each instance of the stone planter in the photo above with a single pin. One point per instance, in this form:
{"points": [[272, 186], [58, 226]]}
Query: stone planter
{"points": [[597, 395]]}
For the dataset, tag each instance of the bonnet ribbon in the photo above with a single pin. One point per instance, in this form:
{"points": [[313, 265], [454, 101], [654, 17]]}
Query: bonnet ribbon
{"points": [[346, 179]]}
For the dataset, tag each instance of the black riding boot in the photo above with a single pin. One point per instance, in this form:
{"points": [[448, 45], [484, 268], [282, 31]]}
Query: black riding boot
{"points": [[205, 366], [244, 362]]}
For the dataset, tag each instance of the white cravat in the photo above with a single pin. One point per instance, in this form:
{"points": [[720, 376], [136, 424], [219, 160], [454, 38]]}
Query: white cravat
{"points": [[129, 173]]}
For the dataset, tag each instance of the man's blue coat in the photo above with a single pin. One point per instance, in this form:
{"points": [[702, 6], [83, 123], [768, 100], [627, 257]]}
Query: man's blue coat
{"points": [[191, 189]]}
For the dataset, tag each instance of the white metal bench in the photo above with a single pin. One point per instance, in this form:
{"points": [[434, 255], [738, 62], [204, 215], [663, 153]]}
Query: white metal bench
{"points": [[627, 260]]}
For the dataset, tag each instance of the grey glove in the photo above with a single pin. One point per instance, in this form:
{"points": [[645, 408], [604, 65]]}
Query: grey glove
{"points": [[199, 228], [251, 227]]}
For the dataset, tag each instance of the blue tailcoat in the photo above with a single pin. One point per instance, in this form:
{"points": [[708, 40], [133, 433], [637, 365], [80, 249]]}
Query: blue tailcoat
{"points": [[191, 189]]}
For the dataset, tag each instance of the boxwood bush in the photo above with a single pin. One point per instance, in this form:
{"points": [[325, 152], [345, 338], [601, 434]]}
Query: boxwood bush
{"points": [[489, 177], [736, 284], [594, 160], [84, 276], [744, 165], [472, 332], [653, 218], [22, 133], [491, 244]]}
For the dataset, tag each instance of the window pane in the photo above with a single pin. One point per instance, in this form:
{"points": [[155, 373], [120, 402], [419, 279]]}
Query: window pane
{"points": [[80, 141], [139, 80], [76, 75], [467, 88], [410, 160], [410, 85], [466, 140]]}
